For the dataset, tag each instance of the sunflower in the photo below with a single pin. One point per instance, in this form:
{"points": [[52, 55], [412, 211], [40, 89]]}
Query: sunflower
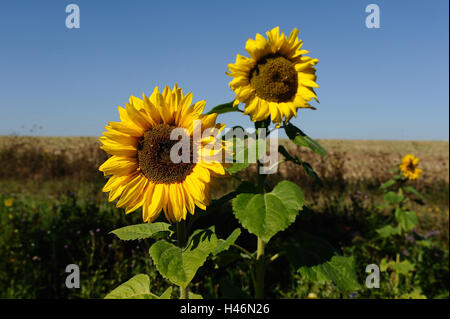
{"points": [[409, 167], [143, 174], [8, 202], [276, 80]]}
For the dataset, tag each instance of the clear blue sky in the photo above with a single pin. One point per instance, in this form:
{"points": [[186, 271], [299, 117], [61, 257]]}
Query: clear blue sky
{"points": [[387, 83]]}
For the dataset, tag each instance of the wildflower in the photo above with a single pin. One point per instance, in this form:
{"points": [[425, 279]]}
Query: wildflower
{"points": [[143, 175], [409, 167], [9, 202], [276, 80], [312, 295]]}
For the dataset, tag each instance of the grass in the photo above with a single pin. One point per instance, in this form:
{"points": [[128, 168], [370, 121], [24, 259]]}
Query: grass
{"points": [[60, 216]]}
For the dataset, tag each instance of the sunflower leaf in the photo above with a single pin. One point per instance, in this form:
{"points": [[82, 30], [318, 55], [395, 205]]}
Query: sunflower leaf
{"points": [[298, 137], [142, 231], [137, 287], [306, 166], [388, 231], [412, 190], [393, 198], [166, 294], [195, 296], [246, 153], [180, 265], [265, 215], [224, 108], [316, 259], [406, 219], [388, 184], [224, 244]]}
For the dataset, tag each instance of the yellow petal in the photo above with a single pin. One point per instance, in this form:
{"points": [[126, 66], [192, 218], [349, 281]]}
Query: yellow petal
{"points": [[154, 203], [117, 165]]}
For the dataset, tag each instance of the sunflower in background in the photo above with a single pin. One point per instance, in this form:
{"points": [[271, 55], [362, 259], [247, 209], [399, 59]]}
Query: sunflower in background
{"points": [[409, 167], [143, 174], [8, 202], [276, 80]]}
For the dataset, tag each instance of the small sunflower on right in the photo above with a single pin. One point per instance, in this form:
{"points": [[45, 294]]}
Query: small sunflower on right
{"points": [[276, 80], [409, 167]]}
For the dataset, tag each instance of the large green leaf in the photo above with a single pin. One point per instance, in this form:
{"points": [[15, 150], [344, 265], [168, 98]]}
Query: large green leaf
{"points": [[406, 219], [180, 265], [265, 215], [318, 261], [300, 138], [137, 287], [141, 231], [224, 108]]}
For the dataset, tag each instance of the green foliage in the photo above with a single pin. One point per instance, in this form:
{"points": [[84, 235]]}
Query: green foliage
{"points": [[224, 108], [240, 157], [137, 287], [407, 220], [306, 166], [393, 198], [142, 231], [265, 215], [247, 150], [223, 245], [318, 261], [388, 231], [412, 190], [298, 137], [179, 265], [388, 184]]}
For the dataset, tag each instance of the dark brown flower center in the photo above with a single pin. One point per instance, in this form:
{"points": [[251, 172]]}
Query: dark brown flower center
{"points": [[274, 79], [411, 167], [154, 156]]}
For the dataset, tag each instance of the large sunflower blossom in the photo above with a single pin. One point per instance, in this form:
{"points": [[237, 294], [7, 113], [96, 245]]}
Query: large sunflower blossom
{"points": [[276, 80], [409, 167], [141, 169]]}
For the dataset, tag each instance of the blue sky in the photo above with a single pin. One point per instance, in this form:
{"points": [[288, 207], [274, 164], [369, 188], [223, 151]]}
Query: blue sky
{"points": [[387, 83]]}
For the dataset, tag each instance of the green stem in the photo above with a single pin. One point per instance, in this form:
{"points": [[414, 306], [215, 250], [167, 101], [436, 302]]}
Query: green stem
{"points": [[260, 266], [182, 238], [260, 270]]}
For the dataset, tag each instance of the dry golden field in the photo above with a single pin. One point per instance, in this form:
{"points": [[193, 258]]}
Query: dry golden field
{"points": [[352, 160]]}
